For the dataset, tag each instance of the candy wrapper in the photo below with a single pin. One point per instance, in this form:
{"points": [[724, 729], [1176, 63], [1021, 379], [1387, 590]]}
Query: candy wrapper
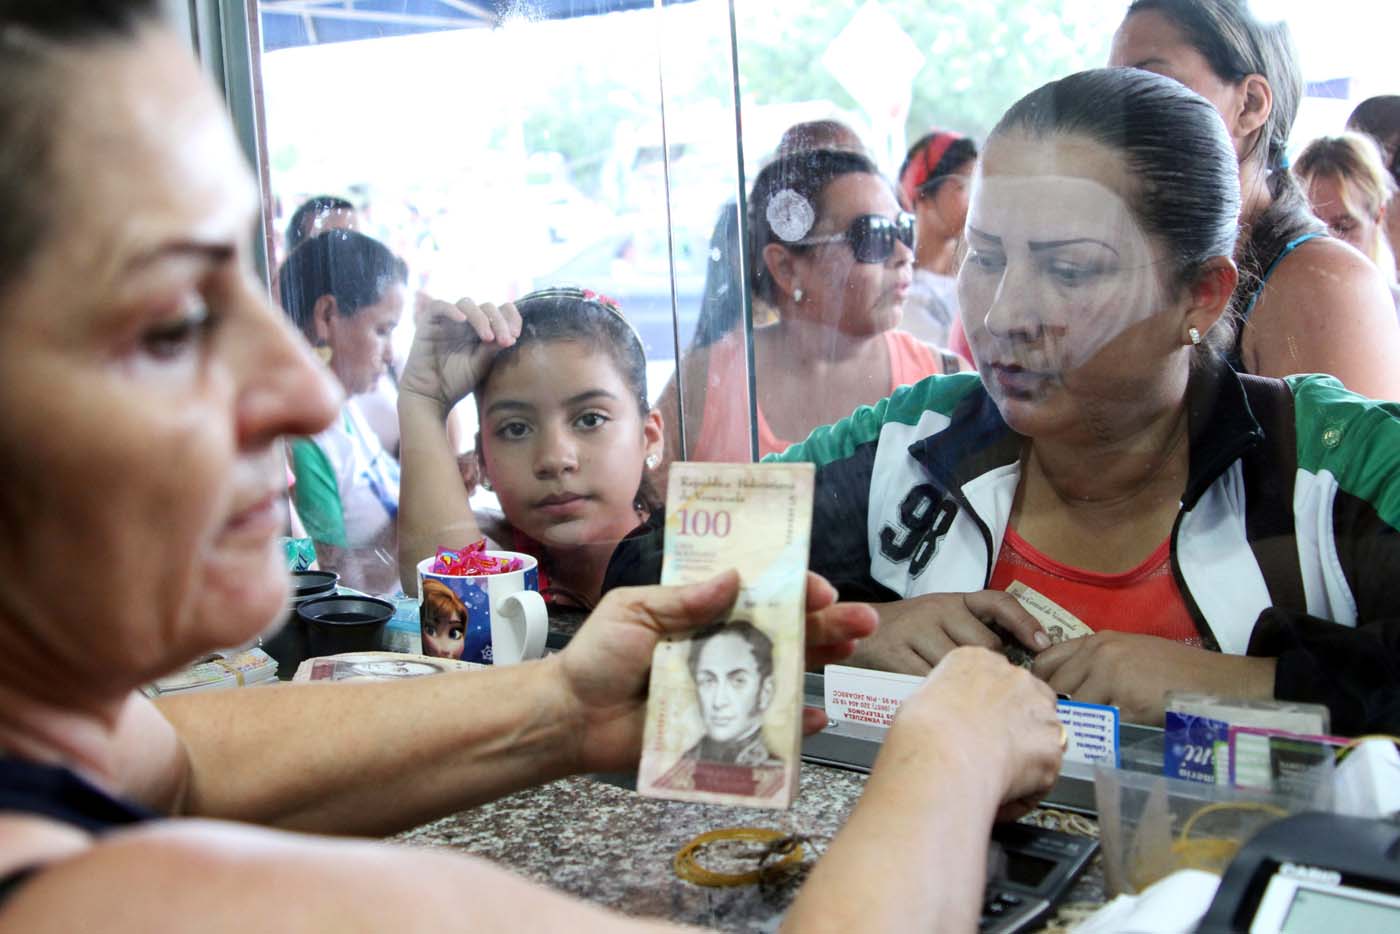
{"points": [[473, 561]]}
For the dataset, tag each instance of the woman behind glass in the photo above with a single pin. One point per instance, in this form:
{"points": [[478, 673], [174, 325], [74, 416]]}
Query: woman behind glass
{"points": [[1305, 305], [345, 293], [833, 253], [1220, 533], [1350, 191], [933, 185], [1379, 118]]}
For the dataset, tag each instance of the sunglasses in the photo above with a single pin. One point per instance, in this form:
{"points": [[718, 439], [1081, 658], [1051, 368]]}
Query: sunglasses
{"points": [[872, 236]]}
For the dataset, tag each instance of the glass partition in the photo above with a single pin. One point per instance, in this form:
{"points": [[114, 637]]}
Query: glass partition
{"points": [[774, 196]]}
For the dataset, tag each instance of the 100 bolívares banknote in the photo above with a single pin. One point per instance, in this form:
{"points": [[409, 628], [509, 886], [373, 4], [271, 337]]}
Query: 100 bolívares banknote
{"points": [[724, 712]]}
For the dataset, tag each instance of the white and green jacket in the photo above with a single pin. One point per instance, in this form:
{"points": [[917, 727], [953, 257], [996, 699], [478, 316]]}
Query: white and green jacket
{"points": [[1285, 544]]}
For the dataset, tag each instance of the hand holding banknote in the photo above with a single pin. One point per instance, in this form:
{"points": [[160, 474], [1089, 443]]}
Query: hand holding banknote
{"points": [[917, 632], [605, 666]]}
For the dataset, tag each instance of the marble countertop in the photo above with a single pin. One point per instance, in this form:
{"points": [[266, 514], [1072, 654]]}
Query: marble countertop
{"points": [[603, 842]]}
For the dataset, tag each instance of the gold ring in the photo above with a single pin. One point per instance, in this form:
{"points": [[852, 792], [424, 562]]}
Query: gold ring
{"points": [[1064, 737], [688, 869]]}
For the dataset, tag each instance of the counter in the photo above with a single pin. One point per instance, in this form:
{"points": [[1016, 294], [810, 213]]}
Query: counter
{"points": [[606, 844]]}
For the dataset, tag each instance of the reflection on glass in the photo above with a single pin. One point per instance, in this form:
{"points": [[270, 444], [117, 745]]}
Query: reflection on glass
{"points": [[345, 293], [605, 156]]}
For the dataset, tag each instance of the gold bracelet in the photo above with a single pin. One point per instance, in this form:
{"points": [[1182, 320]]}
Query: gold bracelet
{"points": [[691, 871]]}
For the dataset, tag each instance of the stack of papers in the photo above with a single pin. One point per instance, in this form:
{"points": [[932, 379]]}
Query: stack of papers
{"points": [[230, 669]]}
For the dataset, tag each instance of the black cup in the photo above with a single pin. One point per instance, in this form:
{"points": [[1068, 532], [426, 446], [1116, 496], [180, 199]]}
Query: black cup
{"points": [[309, 584], [287, 645], [343, 624]]}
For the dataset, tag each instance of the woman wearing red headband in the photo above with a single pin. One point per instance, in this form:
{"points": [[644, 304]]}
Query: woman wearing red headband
{"points": [[933, 185]]}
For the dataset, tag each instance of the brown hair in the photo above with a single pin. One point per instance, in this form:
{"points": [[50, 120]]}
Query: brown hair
{"points": [[1354, 161], [439, 602], [32, 35]]}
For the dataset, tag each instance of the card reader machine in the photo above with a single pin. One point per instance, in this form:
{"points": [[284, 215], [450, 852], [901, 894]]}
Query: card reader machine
{"points": [[1029, 870], [1312, 873]]}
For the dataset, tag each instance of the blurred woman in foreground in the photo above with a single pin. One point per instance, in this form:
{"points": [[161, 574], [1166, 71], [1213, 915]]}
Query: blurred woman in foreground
{"points": [[126, 278]]}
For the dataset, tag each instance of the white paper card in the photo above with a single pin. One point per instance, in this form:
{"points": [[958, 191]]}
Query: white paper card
{"points": [[859, 695]]}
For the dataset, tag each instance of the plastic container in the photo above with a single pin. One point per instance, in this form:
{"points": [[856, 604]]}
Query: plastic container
{"points": [[1152, 825], [344, 624]]}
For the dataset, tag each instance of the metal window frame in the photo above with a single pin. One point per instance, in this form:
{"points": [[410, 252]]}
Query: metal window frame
{"points": [[223, 34]]}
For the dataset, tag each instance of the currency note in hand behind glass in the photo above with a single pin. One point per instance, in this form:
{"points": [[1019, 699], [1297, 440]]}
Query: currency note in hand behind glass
{"points": [[724, 713], [1059, 624]]}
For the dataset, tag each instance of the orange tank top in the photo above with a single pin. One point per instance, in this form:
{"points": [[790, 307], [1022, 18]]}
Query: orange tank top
{"points": [[724, 428], [1144, 600]]}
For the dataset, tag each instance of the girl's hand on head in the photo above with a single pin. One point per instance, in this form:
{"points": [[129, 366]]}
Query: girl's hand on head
{"points": [[453, 348]]}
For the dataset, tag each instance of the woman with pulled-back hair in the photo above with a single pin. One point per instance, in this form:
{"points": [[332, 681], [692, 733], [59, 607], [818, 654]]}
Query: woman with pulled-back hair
{"points": [[1303, 304], [345, 292], [1214, 531]]}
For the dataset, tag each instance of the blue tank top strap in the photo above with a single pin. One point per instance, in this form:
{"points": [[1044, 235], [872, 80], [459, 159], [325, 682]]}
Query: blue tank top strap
{"points": [[1288, 247], [60, 795]]}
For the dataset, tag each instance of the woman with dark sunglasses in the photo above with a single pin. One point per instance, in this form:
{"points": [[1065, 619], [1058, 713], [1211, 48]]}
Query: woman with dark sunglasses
{"points": [[834, 254]]}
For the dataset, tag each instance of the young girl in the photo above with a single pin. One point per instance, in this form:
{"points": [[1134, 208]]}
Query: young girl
{"points": [[567, 438]]}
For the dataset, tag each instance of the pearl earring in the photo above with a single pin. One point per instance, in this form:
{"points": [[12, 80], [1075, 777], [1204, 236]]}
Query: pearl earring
{"points": [[797, 294], [653, 461], [1194, 334]]}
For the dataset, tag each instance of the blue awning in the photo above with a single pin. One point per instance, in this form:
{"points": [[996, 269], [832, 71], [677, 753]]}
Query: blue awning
{"points": [[287, 23]]}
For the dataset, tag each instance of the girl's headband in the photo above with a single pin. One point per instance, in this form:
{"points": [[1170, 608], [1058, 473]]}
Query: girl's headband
{"points": [[920, 168], [596, 299]]}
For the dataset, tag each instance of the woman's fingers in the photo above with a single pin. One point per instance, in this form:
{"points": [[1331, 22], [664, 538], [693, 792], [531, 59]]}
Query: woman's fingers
{"points": [[1065, 666], [963, 621], [820, 593], [999, 607]]}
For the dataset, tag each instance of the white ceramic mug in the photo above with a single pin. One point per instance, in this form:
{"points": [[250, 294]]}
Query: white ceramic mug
{"points": [[496, 619]]}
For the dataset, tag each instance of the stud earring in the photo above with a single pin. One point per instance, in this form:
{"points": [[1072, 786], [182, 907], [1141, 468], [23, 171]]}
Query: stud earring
{"points": [[653, 461], [325, 353], [797, 294], [1194, 334], [485, 483]]}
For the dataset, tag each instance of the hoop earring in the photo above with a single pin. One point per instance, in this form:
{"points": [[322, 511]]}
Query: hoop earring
{"points": [[1194, 335]]}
